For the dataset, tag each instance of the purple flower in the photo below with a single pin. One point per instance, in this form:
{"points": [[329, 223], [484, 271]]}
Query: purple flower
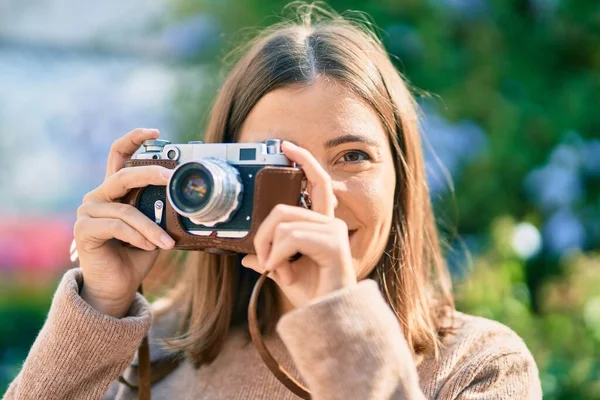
{"points": [[554, 186], [591, 157], [563, 232], [448, 147]]}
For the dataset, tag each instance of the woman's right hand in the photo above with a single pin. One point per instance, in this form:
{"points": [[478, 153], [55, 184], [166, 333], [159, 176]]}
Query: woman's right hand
{"points": [[113, 272]]}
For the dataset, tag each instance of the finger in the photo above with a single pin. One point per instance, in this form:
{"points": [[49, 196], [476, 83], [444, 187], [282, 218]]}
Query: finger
{"points": [[310, 239], [124, 147], [251, 261], [322, 197], [285, 229], [286, 268], [94, 232], [304, 242], [133, 217], [281, 213], [286, 273], [121, 182]]}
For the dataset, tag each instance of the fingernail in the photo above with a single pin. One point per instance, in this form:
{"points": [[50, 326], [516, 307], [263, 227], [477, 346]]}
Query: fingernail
{"points": [[166, 173], [149, 131], [288, 144], [167, 241]]}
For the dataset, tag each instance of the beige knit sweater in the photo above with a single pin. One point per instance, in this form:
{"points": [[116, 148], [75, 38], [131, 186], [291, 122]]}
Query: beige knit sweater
{"points": [[347, 345]]}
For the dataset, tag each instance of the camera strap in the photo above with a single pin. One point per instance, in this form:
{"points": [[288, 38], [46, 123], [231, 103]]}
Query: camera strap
{"points": [[280, 373], [284, 377], [144, 381]]}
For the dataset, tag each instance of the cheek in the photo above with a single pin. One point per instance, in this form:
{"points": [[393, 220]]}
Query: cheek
{"points": [[371, 198], [372, 205], [373, 201], [377, 194]]}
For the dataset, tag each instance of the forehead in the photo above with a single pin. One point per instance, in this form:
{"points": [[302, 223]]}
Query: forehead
{"points": [[311, 114]]}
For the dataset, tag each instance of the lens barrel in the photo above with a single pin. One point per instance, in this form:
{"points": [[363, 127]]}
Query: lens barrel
{"points": [[207, 191]]}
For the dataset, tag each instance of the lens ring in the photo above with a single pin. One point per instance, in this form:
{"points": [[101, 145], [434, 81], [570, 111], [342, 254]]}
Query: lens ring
{"points": [[191, 188], [214, 191]]}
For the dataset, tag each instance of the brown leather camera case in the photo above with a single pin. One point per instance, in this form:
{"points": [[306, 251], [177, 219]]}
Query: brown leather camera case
{"points": [[274, 185]]}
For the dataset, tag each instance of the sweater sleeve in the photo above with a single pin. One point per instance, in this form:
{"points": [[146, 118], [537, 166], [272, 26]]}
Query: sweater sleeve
{"points": [[79, 351], [348, 345], [507, 376]]}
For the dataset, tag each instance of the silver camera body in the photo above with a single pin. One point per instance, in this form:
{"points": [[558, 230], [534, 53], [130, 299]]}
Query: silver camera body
{"points": [[267, 153], [212, 187]]}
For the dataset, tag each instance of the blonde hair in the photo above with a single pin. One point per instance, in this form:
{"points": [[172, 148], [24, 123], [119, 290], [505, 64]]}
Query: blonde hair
{"points": [[213, 291]]}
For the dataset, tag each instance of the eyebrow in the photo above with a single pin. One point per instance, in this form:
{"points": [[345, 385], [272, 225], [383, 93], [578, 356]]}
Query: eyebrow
{"points": [[351, 138]]}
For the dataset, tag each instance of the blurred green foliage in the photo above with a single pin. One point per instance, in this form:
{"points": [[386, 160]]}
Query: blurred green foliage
{"points": [[564, 335], [22, 313]]}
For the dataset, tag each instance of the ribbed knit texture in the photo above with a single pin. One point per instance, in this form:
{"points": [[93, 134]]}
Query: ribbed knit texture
{"points": [[79, 351], [347, 345]]}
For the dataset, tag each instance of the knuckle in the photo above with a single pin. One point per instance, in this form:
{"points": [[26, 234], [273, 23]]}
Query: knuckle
{"points": [[87, 197], [293, 235], [77, 227], [122, 177], [116, 225], [80, 227], [282, 230], [114, 147], [281, 210], [127, 211], [122, 173], [341, 224], [82, 210]]}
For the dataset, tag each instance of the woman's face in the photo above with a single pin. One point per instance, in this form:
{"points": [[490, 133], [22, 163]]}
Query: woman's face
{"points": [[347, 138]]}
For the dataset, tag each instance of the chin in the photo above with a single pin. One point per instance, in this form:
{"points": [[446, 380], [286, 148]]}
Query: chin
{"points": [[362, 270], [364, 274]]}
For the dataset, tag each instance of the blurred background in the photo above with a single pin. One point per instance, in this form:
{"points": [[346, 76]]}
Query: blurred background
{"points": [[510, 92]]}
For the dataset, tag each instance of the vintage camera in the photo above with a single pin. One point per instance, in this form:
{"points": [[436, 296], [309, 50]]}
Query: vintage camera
{"points": [[219, 192]]}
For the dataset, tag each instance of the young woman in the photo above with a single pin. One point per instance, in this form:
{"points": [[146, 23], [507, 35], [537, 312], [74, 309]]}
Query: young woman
{"points": [[365, 313]]}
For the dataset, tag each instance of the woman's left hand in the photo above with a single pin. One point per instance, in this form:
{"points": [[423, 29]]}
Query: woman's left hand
{"points": [[326, 262]]}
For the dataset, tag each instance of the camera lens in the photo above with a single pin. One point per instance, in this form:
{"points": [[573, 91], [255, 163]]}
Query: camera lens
{"points": [[207, 191], [192, 189]]}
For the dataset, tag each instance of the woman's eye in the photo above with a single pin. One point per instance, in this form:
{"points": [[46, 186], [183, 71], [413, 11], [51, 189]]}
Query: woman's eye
{"points": [[354, 156]]}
